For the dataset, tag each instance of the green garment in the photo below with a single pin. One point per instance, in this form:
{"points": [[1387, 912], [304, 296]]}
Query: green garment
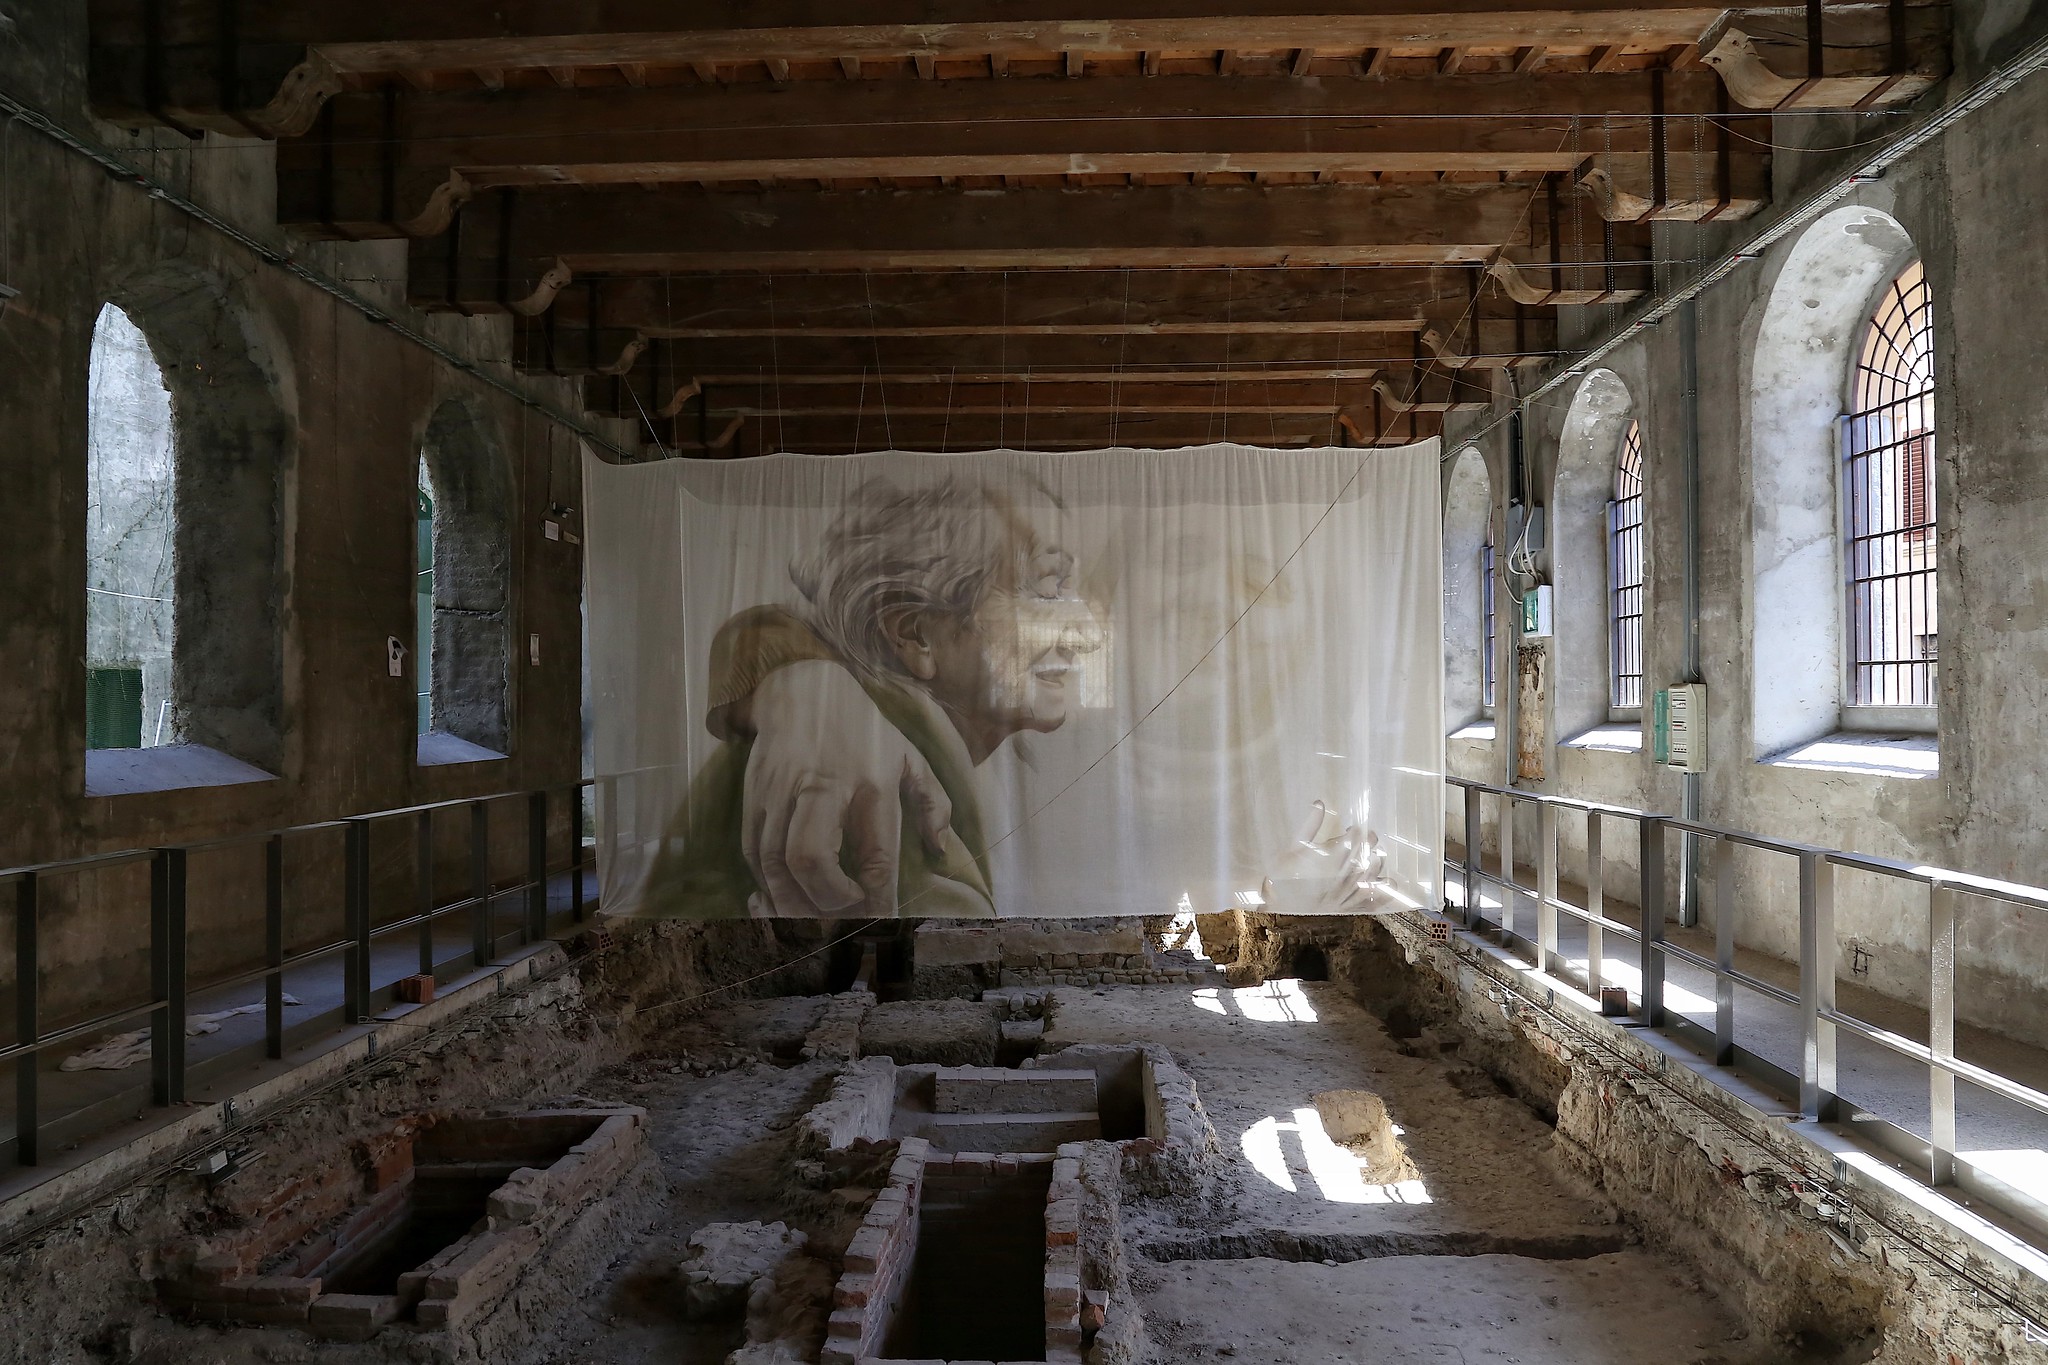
{"points": [[701, 871]]}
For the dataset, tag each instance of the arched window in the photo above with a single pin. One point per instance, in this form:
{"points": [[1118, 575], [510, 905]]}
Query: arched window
{"points": [[1489, 618], [1468, 590], [1888, 503], [1625, 576], [463, 501], [423, 597], [130, 575]]}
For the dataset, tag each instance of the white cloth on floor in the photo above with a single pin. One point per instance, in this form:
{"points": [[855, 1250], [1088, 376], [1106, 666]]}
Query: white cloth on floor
{"points": [[120, 1050]]}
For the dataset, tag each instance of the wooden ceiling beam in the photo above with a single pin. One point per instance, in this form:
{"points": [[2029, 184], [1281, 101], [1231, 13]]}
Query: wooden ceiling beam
{"points": [[1034, 429], [1034, 303], [544, 346], [514, 250], [351, 179], [163, 60]]}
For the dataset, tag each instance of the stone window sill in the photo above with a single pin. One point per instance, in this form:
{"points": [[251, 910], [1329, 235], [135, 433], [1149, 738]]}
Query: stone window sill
{"points": [[1869, 755], [437, 749], [167, 767], [1479, 731], [1609, 739]]}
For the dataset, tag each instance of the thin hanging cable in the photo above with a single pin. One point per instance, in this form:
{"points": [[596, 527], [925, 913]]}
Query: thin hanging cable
{"points": [[1336, 390], [946, 432], [881, 384], [648, 421], [1024, 442], [775, 357], [860, 409], [1123, 343], [1272, 417], [1003, 369]]}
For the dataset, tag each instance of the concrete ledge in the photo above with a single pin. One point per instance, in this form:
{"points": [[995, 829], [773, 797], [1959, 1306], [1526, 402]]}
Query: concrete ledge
{"points": [[1889, 1195]]}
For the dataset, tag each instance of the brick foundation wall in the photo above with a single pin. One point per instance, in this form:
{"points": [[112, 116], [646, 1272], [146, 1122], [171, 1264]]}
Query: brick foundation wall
{"points": [[215, 1283], [878, 1262]]}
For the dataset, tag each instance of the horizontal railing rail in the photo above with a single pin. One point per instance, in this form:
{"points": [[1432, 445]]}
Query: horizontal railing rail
{"points": [[171, 983], [1820, 1014]]}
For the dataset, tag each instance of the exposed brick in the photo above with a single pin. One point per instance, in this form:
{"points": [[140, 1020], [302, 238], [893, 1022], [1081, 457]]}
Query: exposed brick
{"points": [[216, 1269], [853, 1291], [846, 1324], [351, 1317], [280, 1289]]}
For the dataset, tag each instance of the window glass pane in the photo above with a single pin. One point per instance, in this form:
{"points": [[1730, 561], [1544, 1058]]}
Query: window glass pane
{"points": [[1487, 614], [1625, 576], [130, 577], [1888, 503], [423, 599]]}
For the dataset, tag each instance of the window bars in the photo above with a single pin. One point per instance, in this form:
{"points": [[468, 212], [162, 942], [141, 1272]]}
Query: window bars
{"points": [[1888, 503], [1487, 622], [1625, 576]]}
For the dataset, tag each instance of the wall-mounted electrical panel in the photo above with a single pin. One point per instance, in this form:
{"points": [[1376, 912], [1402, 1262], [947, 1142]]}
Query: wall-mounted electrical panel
{"points": [[1678, 727], [1536, 613]]}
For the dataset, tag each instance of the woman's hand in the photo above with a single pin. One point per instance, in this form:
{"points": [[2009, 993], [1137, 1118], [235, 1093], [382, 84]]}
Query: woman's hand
{"points": [[827, 767]]}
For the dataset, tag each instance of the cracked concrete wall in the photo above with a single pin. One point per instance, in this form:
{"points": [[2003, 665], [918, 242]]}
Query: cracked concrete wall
{"points": [[296, 521], [1772, 374]]}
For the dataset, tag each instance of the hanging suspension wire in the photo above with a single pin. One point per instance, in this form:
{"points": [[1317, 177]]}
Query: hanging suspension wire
{"points": [[881, 384], [946, 432], [775, 357], [1123, 343]]}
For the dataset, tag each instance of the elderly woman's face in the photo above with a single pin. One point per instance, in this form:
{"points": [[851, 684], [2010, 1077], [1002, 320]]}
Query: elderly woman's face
{"points": [[1012, 665]]}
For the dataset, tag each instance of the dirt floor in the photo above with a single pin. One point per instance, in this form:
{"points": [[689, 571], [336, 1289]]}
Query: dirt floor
{"points": [[1489, 1253], [1492, 1253]]}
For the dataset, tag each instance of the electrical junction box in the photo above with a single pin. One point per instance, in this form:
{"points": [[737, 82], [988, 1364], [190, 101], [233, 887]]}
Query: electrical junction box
{"points": [[1678, 727], [1536, 613]]}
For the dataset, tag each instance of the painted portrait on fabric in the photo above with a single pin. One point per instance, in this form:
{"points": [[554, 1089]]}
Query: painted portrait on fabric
{"points": [[930, 626], [1016, 684]]}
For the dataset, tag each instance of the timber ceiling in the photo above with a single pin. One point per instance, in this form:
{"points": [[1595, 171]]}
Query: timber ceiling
{"points": [[947, 224]]}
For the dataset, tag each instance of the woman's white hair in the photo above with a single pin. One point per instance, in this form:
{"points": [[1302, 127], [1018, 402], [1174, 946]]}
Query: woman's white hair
{"points": [[936, 548]]}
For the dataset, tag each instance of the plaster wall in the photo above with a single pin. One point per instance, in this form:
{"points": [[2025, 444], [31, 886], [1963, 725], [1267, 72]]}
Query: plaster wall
{"points": [[1772, 345], [307, 420]]}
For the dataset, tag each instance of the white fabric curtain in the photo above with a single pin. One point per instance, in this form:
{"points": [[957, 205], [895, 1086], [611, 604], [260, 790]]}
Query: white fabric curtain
{"points": [[1014, 683]]}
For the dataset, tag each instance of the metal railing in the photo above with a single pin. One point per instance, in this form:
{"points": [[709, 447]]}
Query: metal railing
{"points": [[1820, 1016], [170, 984]]}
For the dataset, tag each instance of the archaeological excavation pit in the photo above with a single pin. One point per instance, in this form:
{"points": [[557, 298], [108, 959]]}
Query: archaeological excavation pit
{"points": [[967, 1257], [457, 1207]]}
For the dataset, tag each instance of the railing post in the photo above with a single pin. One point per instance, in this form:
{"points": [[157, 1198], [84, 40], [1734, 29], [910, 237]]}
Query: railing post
{"points": [[1650, 854], [1546, 886], [356, 898], [27, 1024], [1724, 952], [536, 866], [1596, 904], [1816, 985], [167, 976], [482, 946], [423, 844], [1507, 868], [1941, 1031], [1474, 810], [273, 946]]}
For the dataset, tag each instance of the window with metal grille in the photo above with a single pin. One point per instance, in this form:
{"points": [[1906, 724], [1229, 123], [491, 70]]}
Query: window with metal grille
{"points": [[1486, 617], [1625, 576], [1888, 503], [423, 598]]}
